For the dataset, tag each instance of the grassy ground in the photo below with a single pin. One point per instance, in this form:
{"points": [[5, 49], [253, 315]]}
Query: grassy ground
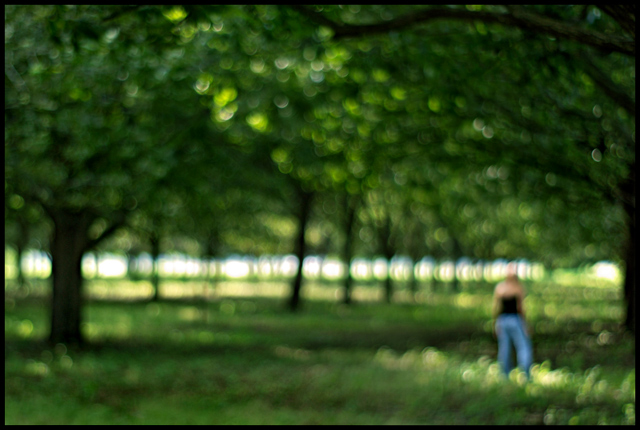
{"points": [[243, 360]]}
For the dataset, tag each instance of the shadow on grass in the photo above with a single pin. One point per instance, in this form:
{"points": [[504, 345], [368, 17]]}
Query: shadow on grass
{"points": [[255, 329], [243, 325]]}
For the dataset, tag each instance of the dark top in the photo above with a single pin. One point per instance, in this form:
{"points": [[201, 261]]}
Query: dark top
{"points": [[509, 305]]}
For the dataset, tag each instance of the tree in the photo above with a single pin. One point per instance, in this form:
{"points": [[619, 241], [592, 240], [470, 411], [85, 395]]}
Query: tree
{"points": [[223, 109], [564, 45], [88, 148]]}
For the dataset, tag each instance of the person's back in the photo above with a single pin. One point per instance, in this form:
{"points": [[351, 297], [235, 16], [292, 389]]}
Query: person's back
{"points": [[509, 305], [509, 324]]}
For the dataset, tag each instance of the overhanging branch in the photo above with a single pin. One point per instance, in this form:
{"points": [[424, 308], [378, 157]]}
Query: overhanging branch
{"points": [[613, 90], [120, 12], [119, 220], [624, 14], [517, 17]]}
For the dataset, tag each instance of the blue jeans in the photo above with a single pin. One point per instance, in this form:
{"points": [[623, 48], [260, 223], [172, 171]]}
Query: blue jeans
{"points": [[511, 331]]}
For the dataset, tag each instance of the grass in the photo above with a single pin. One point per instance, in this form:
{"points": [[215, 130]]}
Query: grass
{"points": [[243, 360]]}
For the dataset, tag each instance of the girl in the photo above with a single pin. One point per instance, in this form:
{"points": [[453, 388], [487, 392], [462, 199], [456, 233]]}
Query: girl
{"points": [[509, 323]]}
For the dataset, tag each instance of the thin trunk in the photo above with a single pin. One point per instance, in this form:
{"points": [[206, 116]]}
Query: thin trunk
{"points": [[133, 272], [20, 275], [155, 274], [211, 244], [415, 248], [300, 248], [413, 283], [21, 244], [384, 234], [457, 254], [350, 206], [213, 252], [67, 247]]}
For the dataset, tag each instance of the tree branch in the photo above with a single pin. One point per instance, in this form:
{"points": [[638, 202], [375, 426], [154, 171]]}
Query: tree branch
{"points": [[517, 17], [613, 90], [317, 17], [539, 23], [120, 12], [120, 220], [624, 14]]}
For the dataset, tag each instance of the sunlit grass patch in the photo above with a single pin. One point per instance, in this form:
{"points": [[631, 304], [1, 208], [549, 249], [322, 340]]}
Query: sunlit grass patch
{"points": [[566, 391]]}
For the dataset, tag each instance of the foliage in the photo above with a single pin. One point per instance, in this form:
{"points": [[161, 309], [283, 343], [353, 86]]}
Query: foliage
{"points": [[336, 115], [485, 131]]}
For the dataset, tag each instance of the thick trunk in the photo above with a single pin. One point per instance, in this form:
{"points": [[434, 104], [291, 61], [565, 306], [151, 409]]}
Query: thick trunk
{"points": [[388, 287], [630, 290], [67, 247], [630, 276], [300, 248], [348, 286], [628, 199]]}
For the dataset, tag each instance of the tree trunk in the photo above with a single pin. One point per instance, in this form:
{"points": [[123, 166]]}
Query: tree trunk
{"points": [[133, 271], [21, 245], [300, 248], [389, 250], [627, 198], [630, 272], [384, 234], [20, 274], [415, 248], [210, 254], [67, 247], [630, 287], [155, 273], [350, 206], [457, 254]]}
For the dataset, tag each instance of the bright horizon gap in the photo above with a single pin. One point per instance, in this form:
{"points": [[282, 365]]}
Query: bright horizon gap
{"points": [[113, 265]]}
